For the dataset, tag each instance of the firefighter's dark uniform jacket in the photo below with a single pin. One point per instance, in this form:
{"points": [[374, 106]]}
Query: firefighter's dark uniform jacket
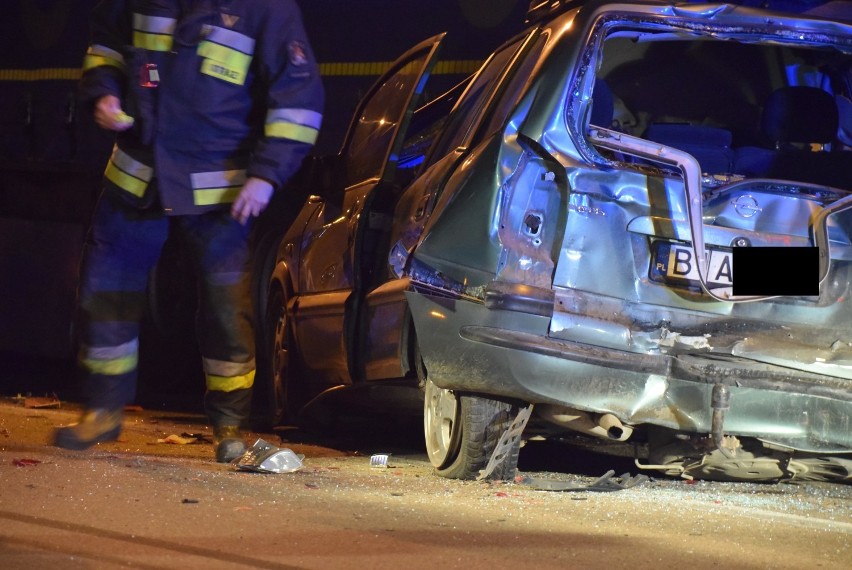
{"points": [[220, 90]]}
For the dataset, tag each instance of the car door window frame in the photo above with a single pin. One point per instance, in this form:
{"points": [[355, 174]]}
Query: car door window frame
{"points": [[472, 109], [417, 63]]}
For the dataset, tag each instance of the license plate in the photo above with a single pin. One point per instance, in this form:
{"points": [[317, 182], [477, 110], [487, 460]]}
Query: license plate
{"points": [[675, 264]]}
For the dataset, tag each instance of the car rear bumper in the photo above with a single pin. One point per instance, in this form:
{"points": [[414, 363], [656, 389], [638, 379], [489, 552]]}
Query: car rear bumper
{"points": [[469, 347]]}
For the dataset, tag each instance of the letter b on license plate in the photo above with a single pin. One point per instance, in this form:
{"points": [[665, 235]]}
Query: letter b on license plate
{"points": [[676, 264]]}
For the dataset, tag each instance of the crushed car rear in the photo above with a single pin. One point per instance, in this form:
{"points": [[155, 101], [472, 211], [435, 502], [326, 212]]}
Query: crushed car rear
{"points": [[582, 260]]}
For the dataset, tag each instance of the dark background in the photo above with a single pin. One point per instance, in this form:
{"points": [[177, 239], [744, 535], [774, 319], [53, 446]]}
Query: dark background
{"points": [[52, 158]]}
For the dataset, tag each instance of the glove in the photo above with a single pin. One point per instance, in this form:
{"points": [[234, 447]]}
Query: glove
{"points": [[252, 199]]}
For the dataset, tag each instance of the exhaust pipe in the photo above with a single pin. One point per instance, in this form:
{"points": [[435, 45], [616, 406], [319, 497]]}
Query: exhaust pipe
{"points": [[614, 428], [604, 426]]}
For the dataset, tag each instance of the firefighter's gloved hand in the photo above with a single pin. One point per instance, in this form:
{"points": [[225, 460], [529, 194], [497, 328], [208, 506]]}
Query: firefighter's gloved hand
{"points": [[252, 199], [110, 116]]}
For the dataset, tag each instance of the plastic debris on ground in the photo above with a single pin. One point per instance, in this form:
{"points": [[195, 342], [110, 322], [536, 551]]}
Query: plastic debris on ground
{"points": [[507, 441], [379, 460], [176, 439], [198, 437], [185, 439], [607, 482], [38, 402], [263, 457]]}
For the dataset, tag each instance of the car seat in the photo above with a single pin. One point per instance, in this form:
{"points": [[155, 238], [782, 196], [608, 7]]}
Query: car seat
{"points": [[711, 146], [799, 125]]}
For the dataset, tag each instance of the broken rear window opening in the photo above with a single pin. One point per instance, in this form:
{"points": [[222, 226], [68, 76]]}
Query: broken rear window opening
{"points": [[716, 107], [720, 95]]}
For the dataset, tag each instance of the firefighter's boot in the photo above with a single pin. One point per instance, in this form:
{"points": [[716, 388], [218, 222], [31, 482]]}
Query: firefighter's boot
{"points": [[229, 443], [95, 426]]}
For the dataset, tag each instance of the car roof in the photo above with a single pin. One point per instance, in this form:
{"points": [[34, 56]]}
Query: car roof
{"points": [[541, 10]]}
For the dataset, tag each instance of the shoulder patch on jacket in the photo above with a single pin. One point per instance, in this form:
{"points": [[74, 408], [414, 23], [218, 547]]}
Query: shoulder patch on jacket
{"points": [[296, 51]]}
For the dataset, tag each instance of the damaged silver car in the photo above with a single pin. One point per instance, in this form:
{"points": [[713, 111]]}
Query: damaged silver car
{"points": [[632, 223]]}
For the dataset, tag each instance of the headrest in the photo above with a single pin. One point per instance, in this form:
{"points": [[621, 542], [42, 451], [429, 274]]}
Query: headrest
{"points": [[800, 115]]}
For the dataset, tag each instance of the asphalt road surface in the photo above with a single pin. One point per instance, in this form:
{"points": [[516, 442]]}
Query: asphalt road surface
{"points": [[144, 503]]}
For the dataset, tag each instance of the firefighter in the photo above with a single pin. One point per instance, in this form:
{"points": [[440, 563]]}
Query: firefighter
{"points": [[215, 104]]}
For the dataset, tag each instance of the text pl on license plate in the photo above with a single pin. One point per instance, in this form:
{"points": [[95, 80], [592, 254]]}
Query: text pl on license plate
{"points": [[675, 263]]}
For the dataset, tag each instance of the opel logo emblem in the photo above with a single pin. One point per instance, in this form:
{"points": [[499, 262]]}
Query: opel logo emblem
{"points": [[746, 206]]}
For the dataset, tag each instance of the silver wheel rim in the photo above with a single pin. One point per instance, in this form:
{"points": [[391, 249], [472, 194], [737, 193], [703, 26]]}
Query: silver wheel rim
{"points": [[440, 423], [280, 354]]}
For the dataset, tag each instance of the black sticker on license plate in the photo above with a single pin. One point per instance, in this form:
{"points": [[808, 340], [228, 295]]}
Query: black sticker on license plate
{"points": [[771, 271]]}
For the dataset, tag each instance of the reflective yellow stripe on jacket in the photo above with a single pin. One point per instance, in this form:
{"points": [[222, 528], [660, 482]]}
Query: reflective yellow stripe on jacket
{"points": [[98, 56], [220, 187], [128, 173], [300, 125], [153, 33], [227, 54]]}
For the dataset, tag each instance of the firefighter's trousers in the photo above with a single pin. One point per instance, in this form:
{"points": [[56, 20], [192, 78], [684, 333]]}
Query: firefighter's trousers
{"points": [[122, 247]]}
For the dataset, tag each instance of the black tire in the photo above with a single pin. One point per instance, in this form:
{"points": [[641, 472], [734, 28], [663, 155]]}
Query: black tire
{"points": [[269, 397], [482, 421]]}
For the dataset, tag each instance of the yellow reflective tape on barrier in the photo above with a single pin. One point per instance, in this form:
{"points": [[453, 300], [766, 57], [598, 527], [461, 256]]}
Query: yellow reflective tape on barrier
{"points": [[326, 69], [125, 181], [292, 131], [462, 66], [229, 383], [459, 66], [112, 367], [212, 196], [47, 74]]}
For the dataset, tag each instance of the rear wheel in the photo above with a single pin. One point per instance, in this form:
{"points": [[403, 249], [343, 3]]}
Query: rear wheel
{"points": [[441, 417], [463, 431]]}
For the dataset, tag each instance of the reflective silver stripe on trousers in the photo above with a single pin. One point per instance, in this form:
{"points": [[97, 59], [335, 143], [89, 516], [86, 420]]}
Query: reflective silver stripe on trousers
{"points": [[111, 352], [227, 369], [154, 24]]}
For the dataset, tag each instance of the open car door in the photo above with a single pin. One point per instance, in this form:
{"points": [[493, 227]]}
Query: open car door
{"points": [[335, 244]]}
